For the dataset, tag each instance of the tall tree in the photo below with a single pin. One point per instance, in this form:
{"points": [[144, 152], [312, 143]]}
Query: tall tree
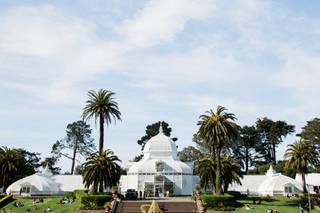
{"points": [[101, 171], [217, 128], [77, 140], [243, 150], [101, 105], [300, 156], [271, 135], [311, 132]]}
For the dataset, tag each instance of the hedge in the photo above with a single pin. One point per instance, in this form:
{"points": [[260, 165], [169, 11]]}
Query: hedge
{"points": [[94, 201], [220, 202], [5, 200]]}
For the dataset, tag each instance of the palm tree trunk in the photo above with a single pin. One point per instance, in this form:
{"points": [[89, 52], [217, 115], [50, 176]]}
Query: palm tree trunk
{"points": [[101, 134], [303, 176], [225, 188], [218, 172]]}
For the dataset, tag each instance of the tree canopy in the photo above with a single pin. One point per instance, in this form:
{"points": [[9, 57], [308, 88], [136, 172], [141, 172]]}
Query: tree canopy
{"points": [[190, 154], [101, 171], [271, 134], [77, 140], [311, 132], [243, 149]]}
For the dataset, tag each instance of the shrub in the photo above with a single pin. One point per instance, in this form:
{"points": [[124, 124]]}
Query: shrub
{"points": [[94, 201], [5, 200], [314, 198], [220, 202], [70, 195], [79, 193]]}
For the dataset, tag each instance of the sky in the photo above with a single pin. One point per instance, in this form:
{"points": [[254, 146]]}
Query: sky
{"points": [[165, 60]]}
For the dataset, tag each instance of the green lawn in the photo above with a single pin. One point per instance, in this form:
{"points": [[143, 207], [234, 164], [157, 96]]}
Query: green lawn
{"points": [[52, 202], [281, 204]]}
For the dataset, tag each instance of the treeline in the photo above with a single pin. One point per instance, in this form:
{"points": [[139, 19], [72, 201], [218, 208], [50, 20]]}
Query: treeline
{"points": [[224, 151], [256, 146]]}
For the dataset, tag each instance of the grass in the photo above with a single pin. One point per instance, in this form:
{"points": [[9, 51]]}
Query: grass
{"points": [[281, 204], [51, 202]]}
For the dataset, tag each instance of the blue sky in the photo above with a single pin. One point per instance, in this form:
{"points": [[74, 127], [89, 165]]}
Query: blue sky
{"points": [[165, 60]]}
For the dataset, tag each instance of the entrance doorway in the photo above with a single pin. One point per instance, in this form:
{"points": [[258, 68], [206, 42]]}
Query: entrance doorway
{"points": [[159, 191]]}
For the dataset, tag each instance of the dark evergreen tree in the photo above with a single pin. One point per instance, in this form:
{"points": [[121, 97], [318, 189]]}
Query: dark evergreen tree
{"points": [[271, 134], [244, 148], [311, 132]]}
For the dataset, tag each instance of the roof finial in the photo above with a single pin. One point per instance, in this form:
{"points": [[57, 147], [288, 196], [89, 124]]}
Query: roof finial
{"points": [[160, 128], [47, 171], [271, 171]]}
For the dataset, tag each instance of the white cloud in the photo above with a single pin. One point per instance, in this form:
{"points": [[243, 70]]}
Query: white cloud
{"points": [[160, 20], [72, 51]]}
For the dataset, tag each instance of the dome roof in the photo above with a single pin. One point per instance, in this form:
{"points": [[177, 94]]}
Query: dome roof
{"points": [[39, 183], [160, 149], [160, 146]]}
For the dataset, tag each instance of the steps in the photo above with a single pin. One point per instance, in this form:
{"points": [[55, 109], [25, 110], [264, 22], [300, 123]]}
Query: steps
{"points": [[166, 206]]}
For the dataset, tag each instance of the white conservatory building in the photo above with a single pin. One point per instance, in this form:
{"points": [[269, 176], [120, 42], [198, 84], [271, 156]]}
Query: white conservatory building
{"points": [[44, 183], [270, 184], [160, 171]]}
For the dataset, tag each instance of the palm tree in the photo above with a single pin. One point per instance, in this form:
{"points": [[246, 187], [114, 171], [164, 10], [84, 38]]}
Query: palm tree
{"points": [[217, 129], [206, 169], [101, 171], [10, 162], [231, 172], [299, 156], [101, 106]]}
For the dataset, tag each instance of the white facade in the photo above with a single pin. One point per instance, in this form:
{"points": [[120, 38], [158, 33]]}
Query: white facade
{"points": [[45, 184], [270, 184], [159, 171]]}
